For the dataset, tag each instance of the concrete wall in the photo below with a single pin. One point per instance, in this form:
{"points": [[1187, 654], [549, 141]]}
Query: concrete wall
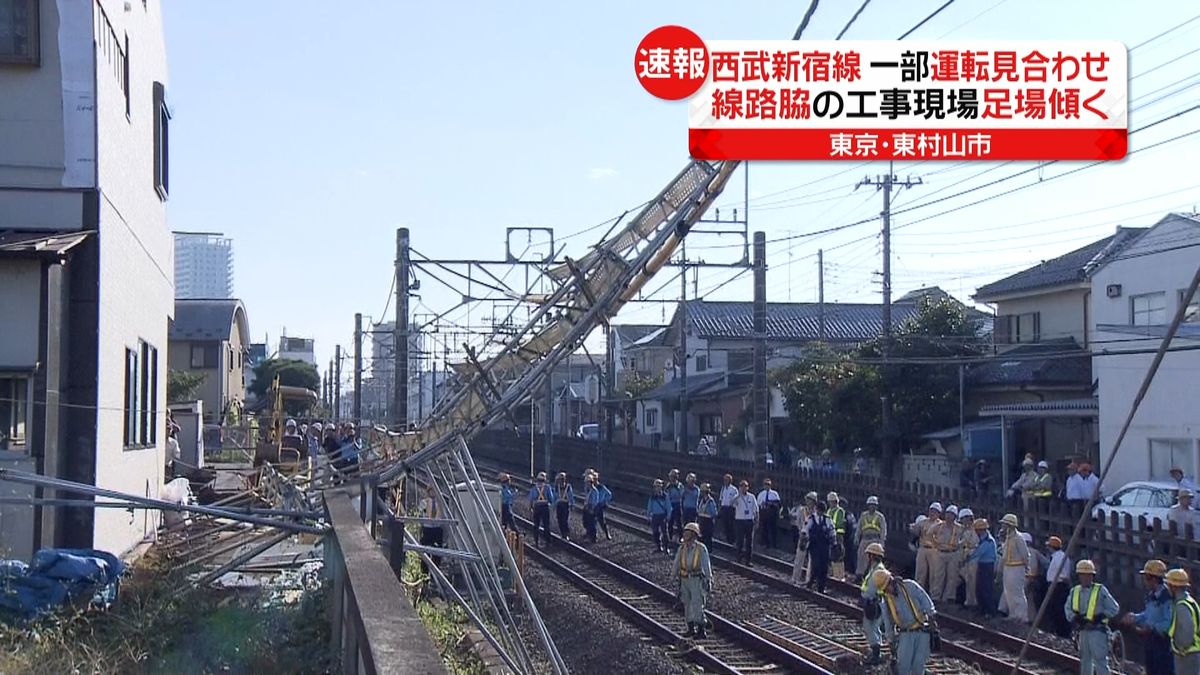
{"points": [[137, 279], [1171, 410], [1062, 313], [20, 294]]}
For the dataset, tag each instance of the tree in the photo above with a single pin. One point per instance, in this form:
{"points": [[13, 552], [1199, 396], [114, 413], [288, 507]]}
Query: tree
{"points": [[183, 384], [831, 400], [292, 373], [925, 393]]}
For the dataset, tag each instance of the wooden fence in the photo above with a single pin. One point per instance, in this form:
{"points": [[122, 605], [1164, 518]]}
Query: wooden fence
{"points": [[1119, 545]]}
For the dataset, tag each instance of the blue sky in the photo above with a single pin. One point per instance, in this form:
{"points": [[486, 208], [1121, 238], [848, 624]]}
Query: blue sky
{"points": [[308, 131]]}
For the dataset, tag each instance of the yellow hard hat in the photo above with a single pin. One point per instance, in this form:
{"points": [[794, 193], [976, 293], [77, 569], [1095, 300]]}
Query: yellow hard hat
{"points": [[693, 528], [1010, 519], [1085, 567], [881, 577], [875, 548], [1178, 577], [1154, 568], [981, 524]]}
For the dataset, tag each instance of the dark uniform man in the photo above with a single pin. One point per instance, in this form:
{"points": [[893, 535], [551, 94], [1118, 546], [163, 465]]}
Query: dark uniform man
{"points": [[1153, 622], [674, 491], [658, 508], [707, 514], [540, 498], [507, 494]]}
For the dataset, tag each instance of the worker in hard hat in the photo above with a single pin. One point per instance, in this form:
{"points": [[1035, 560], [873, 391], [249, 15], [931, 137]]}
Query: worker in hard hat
{"points": [[872, 621], [694, 569], [1014, 558], [802, 564], [507, 494], [1024, 483], [967, 542], [837, 514], [872, 529], [944, 565], [1042, 485], [541, 496], [1153, 623], [1185, 624], [674, 490], [984, 559], [658, 509], [908, 621], [819, 533], [1058, 585], [706, 514], [1090, 607], [926, 550]]}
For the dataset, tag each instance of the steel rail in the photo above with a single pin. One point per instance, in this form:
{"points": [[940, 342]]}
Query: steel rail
{"points": [[725, 628]]}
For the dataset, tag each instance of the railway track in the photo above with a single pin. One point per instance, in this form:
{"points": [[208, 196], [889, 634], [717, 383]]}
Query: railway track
{"points": [[729, 647], [968, 641]]}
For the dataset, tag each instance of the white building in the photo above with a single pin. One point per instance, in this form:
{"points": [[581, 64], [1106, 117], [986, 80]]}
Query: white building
{"points": [[86, 272], [1134, 298], [203, 266], [299, 349]]}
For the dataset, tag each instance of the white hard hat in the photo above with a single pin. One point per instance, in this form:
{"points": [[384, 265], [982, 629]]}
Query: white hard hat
{"points": [[922, 518], [952, 509], [873, 500], [1043, 464], [316, 426], [966, 513], [290, 423], [936, 506]]}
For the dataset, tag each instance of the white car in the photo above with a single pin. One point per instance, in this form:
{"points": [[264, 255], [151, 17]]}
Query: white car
{"points": [[1150, 499]]}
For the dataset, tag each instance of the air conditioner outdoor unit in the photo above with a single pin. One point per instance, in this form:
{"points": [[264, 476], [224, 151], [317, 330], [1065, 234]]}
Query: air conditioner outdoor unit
{"points": [[1113, 290]]}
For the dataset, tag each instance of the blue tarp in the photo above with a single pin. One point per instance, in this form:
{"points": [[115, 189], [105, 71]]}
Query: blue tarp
{"points": [[58, 576]]}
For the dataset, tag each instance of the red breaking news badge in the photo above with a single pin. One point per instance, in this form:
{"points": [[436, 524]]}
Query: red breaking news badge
{"points": [[909, 100], [671, 62]]}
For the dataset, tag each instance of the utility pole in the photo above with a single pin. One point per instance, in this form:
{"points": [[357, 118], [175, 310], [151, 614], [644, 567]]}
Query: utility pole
{"points": [[329, 391], [358, 368], [886, 183], [681, 442], [337, 383], [548, 420], [400, 336], [761, 410], [821, 293]]}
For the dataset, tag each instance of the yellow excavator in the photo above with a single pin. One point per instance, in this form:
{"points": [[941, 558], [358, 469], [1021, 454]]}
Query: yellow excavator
{"points": [[286, 453]]}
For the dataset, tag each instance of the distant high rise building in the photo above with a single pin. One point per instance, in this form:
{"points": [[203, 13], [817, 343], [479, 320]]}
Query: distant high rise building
{"points": [[203, 265]]}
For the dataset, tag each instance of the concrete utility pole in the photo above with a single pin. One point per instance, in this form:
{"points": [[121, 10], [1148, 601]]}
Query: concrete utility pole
{"points": [[337, 383], [886, 183], [760, 394], [400, 337], [820, 293], [329, 390], [358, 368], [681, 437]]}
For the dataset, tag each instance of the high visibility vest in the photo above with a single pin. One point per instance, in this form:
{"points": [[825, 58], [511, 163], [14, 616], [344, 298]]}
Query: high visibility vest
{"points": [[867, 576], [1194, 608], [917, 614], [562, 493], [541, 494], [695, 566], [1090, 614], [871, 523], [838, 516], [1042, 485]]}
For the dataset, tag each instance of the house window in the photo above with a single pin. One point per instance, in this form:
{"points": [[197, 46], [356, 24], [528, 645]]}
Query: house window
{"points": [[651, 418], [204, 356], [710, 425], [131, 397], [19, 31], [162, 122], [701, 363], [197, 356], [16, 393], [1192, 313], [1166, 453], [230, 354], [1149, 309]]}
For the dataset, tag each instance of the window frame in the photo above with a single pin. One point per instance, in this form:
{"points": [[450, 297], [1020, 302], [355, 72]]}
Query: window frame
{"points": [[650, 418], [1192, 313], [131, 397], [1148, 312], [162, 142], [20, 406], [34, 27], [192, 355]]}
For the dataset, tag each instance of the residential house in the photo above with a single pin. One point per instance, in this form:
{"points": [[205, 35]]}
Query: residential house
{"points": [[1039, 391], [86, 269], [297, 349], [719, 364], [1135, 296], [211, 337]]}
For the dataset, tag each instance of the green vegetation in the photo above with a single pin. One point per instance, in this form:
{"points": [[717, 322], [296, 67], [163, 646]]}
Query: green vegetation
{"points": [[182, 385], [447, 623], [158, 628]]}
